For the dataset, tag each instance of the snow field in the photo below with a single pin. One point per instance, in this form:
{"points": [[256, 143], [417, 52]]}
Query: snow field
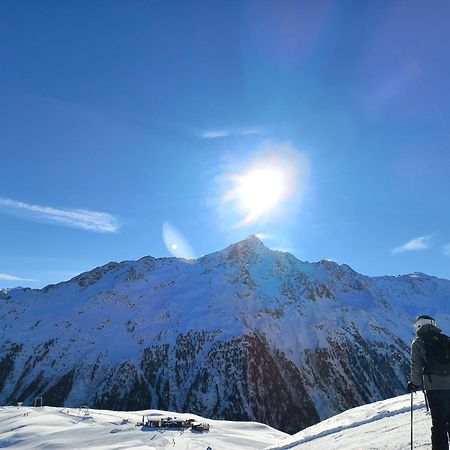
{"points": [[48, 428], [377, 426]]}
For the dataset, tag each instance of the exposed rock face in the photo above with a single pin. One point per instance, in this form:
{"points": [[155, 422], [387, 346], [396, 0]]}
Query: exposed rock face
{"points": [[245, 334]]}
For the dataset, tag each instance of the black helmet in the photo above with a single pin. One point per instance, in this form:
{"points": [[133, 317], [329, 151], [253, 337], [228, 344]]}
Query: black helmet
{"points": [[423, 320]]}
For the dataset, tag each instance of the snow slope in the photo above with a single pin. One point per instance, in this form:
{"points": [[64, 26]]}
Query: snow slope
{"points": [[380, 425], [49, 428]]}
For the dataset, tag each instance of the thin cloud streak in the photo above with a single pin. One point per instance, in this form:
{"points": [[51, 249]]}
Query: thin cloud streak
{"points": [[419, 243], [7, 277], [213, 134], [446, 249], [96, 221]]}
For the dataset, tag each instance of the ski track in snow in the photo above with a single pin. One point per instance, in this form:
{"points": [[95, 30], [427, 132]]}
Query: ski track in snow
{"points": [[381, 425]]}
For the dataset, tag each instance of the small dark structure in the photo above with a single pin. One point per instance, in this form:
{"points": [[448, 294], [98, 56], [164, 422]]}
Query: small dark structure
{"points": [[173, 422], [200, 426]]}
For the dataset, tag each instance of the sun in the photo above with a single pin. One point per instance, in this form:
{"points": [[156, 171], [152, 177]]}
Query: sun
{"points": [[271, 186], [258, 191]]}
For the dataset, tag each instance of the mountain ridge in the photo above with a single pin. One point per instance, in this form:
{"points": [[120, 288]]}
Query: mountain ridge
{"points": [[251, 242], [246, 333]]}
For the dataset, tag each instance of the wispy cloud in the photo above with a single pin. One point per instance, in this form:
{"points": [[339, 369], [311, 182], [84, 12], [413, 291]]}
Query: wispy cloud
{"points": [[8, 277], [221, 133], [446, 249], [419, 243], [99, 222], [214, 134]]}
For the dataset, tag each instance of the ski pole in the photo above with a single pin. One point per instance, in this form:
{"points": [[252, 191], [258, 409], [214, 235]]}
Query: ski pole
{"points": [[426, 401], [412, 421]]}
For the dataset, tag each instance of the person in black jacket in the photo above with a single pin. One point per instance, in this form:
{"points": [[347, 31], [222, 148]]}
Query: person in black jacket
{"points": [[436, 386]]}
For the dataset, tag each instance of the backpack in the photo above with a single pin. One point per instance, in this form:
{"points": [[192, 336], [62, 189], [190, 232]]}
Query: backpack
{"points": [[437, 353]]}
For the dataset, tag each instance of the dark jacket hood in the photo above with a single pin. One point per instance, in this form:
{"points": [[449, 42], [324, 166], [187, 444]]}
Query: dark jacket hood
{"points": [[424, 329]]}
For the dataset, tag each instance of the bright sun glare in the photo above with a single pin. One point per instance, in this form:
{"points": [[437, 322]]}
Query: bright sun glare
{"points": [[263, 187], [257, 191], [260, 190]]}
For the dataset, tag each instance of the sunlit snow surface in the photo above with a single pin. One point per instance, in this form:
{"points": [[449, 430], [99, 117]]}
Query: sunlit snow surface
{"points": [[70, 428], [380, 425]]}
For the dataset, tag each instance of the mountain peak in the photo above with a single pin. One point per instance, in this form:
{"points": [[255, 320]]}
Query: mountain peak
{"points": [[249, 246], [253, 240], [251, 243]]}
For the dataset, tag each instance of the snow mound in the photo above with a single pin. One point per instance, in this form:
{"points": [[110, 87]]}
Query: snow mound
{"points": [[381, 425]]}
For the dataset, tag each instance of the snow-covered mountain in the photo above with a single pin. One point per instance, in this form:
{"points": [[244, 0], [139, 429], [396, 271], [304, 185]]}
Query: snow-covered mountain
{"points": [[246, 333]]}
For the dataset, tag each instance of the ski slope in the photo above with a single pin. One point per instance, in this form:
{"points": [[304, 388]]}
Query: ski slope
{"points": [[381, 425], [49, 428]]}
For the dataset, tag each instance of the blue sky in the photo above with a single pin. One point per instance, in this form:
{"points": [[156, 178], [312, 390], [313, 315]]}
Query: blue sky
{"points": [[136, 128]]}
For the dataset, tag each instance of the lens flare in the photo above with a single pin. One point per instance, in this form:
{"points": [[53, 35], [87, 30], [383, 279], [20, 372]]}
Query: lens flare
{"points": [[175, 242]]}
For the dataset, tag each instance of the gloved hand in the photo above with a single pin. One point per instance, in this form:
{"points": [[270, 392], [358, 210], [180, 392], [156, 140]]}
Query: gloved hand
{"points": [[410, 387]]}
